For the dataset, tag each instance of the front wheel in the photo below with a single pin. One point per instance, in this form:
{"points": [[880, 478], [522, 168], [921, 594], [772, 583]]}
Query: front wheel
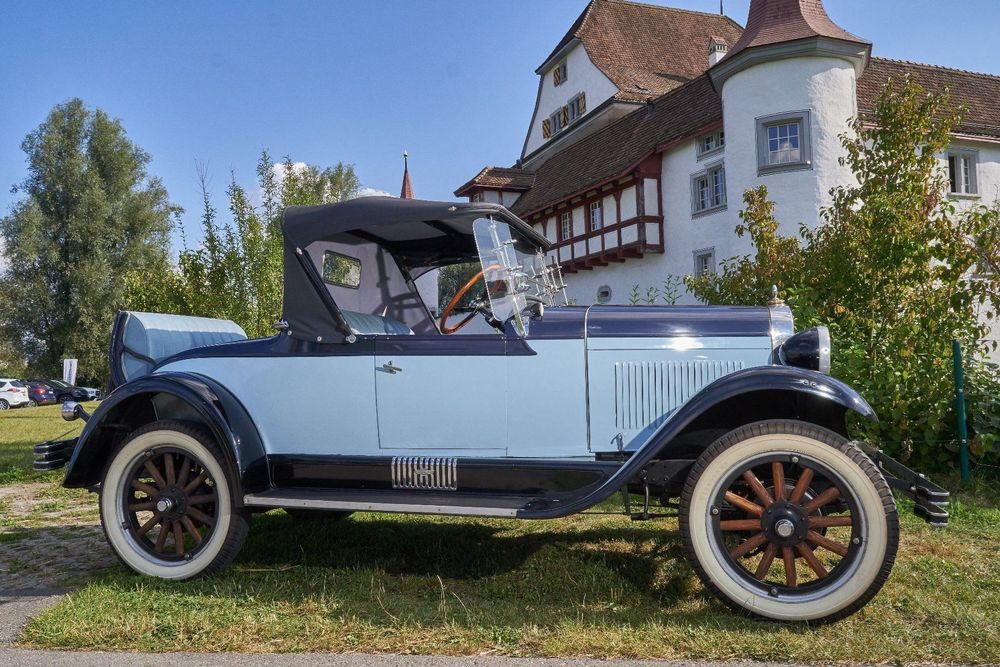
{"points": [[784, 520], [167, 505]]}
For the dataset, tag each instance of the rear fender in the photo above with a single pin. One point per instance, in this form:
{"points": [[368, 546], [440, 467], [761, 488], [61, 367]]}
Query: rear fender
{"points": [[183, 396]]}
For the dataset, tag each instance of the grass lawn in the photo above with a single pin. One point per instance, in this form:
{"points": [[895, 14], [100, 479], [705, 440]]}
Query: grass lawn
{"points": [[590, 585], [22, 428]]}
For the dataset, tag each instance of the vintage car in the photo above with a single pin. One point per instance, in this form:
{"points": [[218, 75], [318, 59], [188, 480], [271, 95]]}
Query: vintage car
{"points": [[723, 414]]}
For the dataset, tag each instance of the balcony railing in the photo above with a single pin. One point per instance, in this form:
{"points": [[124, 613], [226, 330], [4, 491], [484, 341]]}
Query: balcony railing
{"points": [[630, 238]]}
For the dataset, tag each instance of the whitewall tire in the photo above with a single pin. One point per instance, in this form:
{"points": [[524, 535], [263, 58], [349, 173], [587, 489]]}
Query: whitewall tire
{"points": [[167, 503], [788, 521]]}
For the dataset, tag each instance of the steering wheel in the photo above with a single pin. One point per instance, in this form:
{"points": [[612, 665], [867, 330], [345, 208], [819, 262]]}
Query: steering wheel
{"points": [[449, 309]]}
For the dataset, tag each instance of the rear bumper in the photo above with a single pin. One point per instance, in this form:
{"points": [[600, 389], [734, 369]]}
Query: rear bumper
{"points": [[930, 500], [54, 454]]}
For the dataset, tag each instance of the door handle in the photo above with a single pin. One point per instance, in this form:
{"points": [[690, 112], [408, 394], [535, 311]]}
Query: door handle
{"points": [[388, 367]]}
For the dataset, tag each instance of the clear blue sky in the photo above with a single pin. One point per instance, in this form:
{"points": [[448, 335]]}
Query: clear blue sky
{"points": [[451, 81]]}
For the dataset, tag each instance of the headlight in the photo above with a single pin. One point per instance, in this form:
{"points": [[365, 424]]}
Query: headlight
{"points": [[807, 349]]}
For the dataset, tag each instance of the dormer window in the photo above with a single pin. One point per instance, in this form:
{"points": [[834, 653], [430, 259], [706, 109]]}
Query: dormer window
{"points": [[711, 143], [559, 74]]}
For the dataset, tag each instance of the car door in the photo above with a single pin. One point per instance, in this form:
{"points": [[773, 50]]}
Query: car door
{"points": [[442, 395]]}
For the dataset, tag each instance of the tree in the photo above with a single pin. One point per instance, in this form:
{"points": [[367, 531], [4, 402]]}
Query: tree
{"points": [[236, 273], [895, 270], [89, 214]]}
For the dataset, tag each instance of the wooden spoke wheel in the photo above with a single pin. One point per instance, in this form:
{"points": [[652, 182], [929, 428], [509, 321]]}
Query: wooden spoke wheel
{"points": [[779, 529], [172, 503], [789, 521], [167, 505]]}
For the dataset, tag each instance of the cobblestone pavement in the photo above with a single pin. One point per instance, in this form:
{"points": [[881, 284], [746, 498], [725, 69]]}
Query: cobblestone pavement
{"points": [[49, 539], [50, 542]]}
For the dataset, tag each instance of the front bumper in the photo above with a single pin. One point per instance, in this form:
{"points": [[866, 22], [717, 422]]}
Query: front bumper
{"points": [[930, 500], [54, 454]]}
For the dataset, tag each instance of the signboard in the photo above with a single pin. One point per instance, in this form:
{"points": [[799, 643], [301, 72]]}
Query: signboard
{"points": [[69, 371]]}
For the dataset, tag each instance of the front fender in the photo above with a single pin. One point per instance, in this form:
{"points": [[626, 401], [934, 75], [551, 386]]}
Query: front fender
{"points": [[786, 379], [202, 400]]}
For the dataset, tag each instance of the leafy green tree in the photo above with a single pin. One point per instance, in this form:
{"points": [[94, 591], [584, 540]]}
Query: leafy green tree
{"points": [[236, 272], [89, 214], [895, 270]]}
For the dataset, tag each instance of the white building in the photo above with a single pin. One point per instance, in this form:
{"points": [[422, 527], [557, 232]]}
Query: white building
{"points": [[649, 119]]}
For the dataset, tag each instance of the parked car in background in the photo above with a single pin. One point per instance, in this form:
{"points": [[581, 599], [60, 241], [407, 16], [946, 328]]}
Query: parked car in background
{"points": [[39, 394], [13, 394], [93, 394], [63, 391]]}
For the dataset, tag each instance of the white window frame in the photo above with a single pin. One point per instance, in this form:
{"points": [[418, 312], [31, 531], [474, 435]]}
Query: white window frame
{"points": [[764, 123], [566, 226], [969, 185], [596, 222], [698, 255], [715, 199], [717, 141]]}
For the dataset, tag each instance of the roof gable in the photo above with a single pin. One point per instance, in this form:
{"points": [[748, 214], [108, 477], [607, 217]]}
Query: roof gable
{"points": [[646, 50]]}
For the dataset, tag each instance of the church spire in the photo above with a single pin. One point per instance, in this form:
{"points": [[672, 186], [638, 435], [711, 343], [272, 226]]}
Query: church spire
{"points": [[406, 192]]}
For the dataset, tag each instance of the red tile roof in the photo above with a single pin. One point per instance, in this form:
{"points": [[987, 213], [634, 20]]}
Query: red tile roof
{"points": [[502, 178], [647, 50], [980, 93], [615, 150], [777, 21], [618, 148]]}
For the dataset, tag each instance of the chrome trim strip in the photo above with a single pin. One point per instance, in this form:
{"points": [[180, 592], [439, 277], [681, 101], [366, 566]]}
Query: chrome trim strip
{"points": [[356, 506]]}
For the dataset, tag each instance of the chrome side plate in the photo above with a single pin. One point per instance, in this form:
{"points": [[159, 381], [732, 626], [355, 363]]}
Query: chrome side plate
{"points": [[429, 473]]}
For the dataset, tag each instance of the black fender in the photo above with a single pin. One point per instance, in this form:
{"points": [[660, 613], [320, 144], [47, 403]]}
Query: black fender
{"points": [[810, 385], [188, 396]]}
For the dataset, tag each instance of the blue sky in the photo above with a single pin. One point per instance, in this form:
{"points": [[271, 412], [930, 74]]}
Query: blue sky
{"points": [[452, 82]]}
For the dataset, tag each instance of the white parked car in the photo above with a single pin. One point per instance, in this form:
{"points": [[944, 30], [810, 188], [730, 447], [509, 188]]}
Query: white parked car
{"points": [[93, 394], [13, 394]]}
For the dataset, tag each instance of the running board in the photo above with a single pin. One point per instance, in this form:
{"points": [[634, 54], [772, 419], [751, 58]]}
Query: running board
{"points": [[355, 500]]}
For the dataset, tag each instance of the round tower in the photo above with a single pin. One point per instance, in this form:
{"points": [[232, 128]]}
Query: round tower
{"points": [[788, 91]]}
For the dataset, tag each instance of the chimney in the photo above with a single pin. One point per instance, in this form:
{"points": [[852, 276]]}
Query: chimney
{"points": [[717, 49]]}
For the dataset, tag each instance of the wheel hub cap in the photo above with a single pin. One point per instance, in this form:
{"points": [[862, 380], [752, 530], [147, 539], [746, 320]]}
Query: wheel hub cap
{"points": [[785, 523], [164, 505], [784, 528]]}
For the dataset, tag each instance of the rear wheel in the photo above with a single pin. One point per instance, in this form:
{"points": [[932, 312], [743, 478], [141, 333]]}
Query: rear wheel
{"points": [[4, 405], [32, 403], [788, 521], [167, 504]]}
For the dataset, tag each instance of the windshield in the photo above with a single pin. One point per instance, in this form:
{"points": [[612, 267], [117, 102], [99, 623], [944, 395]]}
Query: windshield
{"points": [[515, 272], [58, 383]]}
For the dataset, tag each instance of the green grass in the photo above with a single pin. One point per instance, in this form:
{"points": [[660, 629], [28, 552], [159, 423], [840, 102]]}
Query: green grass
{"points": [[589, 585], [20, 430]]}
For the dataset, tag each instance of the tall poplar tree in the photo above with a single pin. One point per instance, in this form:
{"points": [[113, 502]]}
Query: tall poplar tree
{"points": [[89, 214]]}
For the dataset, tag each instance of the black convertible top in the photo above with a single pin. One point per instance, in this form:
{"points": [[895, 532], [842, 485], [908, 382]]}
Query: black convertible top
{"points": [[416, 231], [416, 234]]}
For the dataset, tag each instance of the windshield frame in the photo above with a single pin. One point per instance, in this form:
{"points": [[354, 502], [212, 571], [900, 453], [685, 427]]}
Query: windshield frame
{"points": [[516, 272]]}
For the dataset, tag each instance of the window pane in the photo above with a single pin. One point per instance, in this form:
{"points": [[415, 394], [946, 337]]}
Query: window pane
{"points": [[783, 144], [341, 270], [966, 174]]}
